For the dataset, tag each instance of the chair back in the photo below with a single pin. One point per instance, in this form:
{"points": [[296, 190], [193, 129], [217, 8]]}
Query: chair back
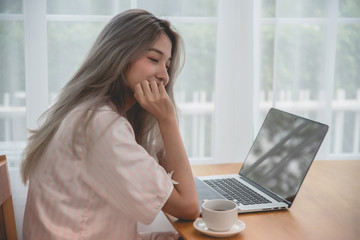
{"points": [[7, 216]]}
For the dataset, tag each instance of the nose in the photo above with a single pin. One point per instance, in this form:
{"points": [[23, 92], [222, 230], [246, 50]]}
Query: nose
{"points": [[163, 75]]}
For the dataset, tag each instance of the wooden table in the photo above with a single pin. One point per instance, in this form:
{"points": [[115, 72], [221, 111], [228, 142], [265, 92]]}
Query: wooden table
{"points": [[326, 207]]}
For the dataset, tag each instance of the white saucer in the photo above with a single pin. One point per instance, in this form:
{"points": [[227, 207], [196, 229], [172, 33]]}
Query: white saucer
{"points": [[201, 227]]}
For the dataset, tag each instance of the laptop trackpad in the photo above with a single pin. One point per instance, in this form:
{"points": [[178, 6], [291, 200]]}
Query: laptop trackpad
{"points": [[205, 192]]}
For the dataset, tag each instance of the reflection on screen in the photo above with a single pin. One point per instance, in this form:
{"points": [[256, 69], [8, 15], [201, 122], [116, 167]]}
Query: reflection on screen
{"points": [[282, 152]]}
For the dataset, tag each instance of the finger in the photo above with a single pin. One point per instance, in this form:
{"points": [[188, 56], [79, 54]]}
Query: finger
{"points": [[162, 89], [138, 92], [145, 87], [154, 88]]}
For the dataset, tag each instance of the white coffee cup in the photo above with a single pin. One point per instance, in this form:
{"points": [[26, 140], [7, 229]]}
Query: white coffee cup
{"points": [[219, 214]]}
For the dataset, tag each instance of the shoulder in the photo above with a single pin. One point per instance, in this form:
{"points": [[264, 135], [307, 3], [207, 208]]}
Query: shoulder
{"points": [[107, 113], [107, 119]]}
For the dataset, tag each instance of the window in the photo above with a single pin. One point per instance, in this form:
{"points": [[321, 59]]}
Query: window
{"points": [[308, 63], [12, 80], [242, 57]]}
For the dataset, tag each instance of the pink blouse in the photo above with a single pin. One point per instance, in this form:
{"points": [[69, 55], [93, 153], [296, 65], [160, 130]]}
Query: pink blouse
{"points": [[101, 190]]}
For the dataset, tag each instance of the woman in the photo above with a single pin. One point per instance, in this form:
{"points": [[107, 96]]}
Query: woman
{"points": [[104, 156]]}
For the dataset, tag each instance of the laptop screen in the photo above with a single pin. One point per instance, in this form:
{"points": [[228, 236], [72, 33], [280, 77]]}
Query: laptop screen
{"points": [[283, 152]]}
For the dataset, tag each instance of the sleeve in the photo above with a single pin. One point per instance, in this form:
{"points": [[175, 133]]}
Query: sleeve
{"points": [[121, 171]]}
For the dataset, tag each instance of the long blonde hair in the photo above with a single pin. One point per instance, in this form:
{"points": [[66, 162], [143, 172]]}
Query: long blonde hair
{"points": [[101, 78]]}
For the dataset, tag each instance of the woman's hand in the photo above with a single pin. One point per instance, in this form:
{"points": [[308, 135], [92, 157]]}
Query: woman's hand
{"points": [[154, 99], [183, 201]]}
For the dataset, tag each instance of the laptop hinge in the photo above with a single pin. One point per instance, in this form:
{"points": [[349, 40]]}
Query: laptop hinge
{"points": [[268, 192]]}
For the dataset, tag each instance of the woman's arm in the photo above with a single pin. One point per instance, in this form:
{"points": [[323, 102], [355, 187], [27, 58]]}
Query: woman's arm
{"points": [[183, 201]]}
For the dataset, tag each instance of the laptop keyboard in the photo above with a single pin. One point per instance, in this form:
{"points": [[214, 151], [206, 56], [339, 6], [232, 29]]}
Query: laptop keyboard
{"points": [[236, 191]]}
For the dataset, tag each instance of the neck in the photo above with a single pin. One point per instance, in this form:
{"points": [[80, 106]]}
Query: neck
{"points": [[130, 102]]}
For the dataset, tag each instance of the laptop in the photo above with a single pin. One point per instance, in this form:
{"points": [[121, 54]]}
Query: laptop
{"points": [[274, 168]]}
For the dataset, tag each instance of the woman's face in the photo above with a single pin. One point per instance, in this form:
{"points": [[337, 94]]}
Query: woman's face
{"points": [[153, 65]]}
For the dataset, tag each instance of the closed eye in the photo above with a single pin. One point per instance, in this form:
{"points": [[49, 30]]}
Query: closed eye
{"points": [[153, 59], [156, 61]]}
